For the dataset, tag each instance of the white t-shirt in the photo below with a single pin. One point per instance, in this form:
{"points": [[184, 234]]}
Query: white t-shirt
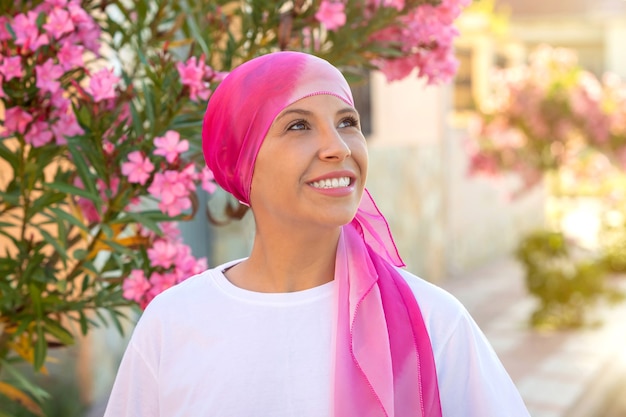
{"points": [[208, 348]]}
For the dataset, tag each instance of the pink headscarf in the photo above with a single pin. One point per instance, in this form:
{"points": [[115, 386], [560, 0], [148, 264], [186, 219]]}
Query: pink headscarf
{"points": [[383, 360]]}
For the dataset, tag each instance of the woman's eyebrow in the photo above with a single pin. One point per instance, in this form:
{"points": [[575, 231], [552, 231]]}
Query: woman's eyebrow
{"points": [[348, 110], [303, 112]]}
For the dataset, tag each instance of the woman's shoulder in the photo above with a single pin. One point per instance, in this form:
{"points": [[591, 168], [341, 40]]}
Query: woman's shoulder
{"points": [[439, 308]]}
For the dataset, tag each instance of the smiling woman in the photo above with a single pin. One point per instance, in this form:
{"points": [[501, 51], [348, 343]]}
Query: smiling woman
{"points": [[320, 319]]}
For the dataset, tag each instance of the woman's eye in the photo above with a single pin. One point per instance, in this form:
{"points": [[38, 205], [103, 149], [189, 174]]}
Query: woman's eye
{"points": [[349, 122], [297, 125]]}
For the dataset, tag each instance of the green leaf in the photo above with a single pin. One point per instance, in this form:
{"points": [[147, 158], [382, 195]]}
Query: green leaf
{"points": [[35, 296], [149, 104], [23, 382], [58, 331], [61, 214], [83, 170], [42, 202], [9, 156], [84, 324], [72, 190], [116, 321], [195, 30], [54, 242], [41, 348]]}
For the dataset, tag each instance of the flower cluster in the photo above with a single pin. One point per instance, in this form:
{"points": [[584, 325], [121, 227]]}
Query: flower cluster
{"points": [[62, 98], [546, 115], [172, 263], [421, 35], [425, 35]]}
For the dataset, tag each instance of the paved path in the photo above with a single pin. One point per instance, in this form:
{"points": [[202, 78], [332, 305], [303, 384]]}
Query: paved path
{"points": [[578, 373]]}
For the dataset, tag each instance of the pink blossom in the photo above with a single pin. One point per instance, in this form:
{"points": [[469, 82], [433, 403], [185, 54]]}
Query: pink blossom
{"points": [[161, 282], [59, 23], [188, 177], [11, 67], [186, 264], [88, 32], [108, 147], [172, 188], [395, 69], [26, 31], [102, 85], [67, 126], [57, 3], [397, 4], [39, 134], [192, 74], [48, 75], [87, 207], [331, 14], [207, 179], [135, 286], [5, 35], [71, 56], [16, 119], [170, 146], [138, 168], [170, 230], [163, 253]]}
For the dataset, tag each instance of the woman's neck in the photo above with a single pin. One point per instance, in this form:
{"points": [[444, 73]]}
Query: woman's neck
{"points": [[281, 262]]}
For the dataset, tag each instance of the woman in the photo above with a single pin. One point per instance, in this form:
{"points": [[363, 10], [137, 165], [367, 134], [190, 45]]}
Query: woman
{"points": [[319, 320]]}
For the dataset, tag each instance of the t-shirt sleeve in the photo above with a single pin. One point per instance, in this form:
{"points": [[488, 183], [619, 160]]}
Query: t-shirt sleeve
{"points": [[135, 389], [472, 380]]}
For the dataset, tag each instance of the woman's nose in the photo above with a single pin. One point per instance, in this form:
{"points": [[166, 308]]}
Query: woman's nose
{"points": [[333, 146]]}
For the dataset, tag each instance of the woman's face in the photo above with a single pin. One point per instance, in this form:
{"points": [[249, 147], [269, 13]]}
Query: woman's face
{"points": [[312, 165]]}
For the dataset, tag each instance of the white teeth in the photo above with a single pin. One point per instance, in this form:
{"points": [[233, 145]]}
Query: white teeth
{"points": [[332, 183]]}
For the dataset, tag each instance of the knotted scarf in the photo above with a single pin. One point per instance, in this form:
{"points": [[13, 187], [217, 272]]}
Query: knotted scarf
{"points": [[383, 362]]}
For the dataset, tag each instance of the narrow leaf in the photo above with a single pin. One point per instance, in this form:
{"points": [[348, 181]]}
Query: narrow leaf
{"points": [[21, 398]]}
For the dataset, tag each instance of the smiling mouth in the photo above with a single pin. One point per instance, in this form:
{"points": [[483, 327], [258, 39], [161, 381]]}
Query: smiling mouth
{"points": [[340, 182]]}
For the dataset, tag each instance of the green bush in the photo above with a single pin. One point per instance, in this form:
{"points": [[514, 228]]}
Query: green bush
{"points": [[565, 279]]}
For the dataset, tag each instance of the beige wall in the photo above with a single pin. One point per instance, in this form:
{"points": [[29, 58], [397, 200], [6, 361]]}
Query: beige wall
{"points": [[445, 223]]}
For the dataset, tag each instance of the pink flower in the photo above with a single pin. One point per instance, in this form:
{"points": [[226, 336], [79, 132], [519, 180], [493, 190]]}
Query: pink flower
{"points": [[397, 4], [67, 126], [108, 147], [170, 230], [59, 23], [11, 67], [331, 14], [193, 74], [48, 75], [172, 188], [186, 264], [207, 179], [138, 168], [39, 134], [163, 253], [26, 31], [135, 286], [70, 56], [170, 146], [5, 35], [87, 207], [161, 282], [16, 119], [102, 85], [107, 190]]}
